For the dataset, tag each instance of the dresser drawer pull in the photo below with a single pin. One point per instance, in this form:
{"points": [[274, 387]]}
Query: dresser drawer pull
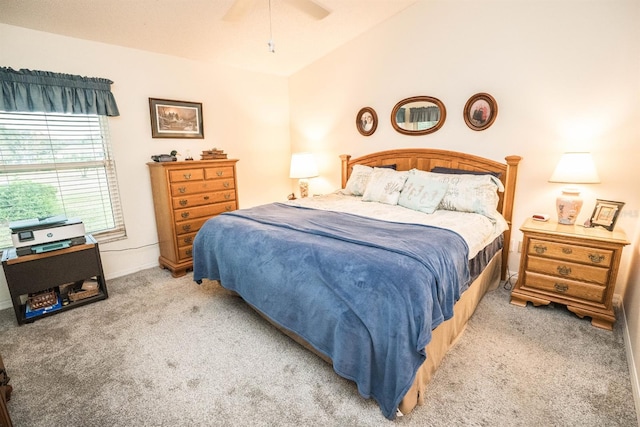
{"points": [[182, 189], [225, 185], [540, 249], [188, 240], [184, 215], [206, 197], [183, 202], [219, 173], [227, 196], [227, 208], [567, 251], [187, 176], [596, 258], [188, 252], [186, 227], [563, 270], [561, 287]]}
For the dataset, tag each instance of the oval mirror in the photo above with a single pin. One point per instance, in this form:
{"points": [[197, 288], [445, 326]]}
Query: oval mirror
{"points": [[418, 115]]}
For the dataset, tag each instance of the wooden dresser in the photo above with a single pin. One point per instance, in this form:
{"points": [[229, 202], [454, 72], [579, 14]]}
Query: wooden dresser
{"points": [[185, 195], [570, 265]]}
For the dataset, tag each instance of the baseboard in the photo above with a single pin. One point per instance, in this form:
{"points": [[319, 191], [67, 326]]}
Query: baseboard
{"points": [[633, 373]]}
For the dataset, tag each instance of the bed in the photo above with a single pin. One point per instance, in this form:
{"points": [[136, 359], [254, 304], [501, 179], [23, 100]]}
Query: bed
{"points": [[380, 277]]}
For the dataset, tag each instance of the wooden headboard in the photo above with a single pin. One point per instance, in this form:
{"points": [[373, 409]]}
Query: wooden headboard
{"points": [[426, 159]]}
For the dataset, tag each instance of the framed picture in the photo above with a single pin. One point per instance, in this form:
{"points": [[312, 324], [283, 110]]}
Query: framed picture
{"points": [[480, 111], [175, 119], [367, 121], [605, 214]]}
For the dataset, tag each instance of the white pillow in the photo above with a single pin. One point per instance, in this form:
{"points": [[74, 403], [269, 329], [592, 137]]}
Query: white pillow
{"points": [[384, 186], [358, 180], [421, 193]]}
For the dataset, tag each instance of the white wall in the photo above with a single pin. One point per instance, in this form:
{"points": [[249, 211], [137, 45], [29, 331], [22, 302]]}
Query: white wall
{"points": [[245, 114], [565, 75]]}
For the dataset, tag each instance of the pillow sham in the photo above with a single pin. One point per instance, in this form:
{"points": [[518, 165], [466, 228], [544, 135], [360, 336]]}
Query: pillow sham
{"points": [[421, 193], [358, 180], [384, 186]]}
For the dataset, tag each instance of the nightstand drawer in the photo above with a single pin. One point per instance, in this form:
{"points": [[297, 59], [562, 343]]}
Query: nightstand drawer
{"points": [[583, 254], [568, 270], [564, 287]]}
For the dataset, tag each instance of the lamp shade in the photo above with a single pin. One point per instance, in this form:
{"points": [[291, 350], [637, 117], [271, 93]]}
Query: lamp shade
{"points": [[303, 165], [575, 168]]}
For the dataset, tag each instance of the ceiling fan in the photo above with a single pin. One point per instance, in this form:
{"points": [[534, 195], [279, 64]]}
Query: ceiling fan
{"points": [[240, 8]]}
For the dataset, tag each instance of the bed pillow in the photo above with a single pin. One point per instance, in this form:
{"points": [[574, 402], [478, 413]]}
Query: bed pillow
{"points": [[358, 180], [421, 193], [384, 186]]}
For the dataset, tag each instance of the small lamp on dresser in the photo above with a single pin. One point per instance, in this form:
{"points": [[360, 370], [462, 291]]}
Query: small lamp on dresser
{"points": [[573, 168], [303, 167]]}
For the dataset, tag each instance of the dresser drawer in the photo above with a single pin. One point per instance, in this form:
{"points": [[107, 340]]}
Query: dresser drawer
{"points": [[203, 211], [564, 287], [185, 252], [192, 225], [203, 199], [570, 252], [218, 172], [186, 239], [182, 175], [185, 188], [568, 270]]}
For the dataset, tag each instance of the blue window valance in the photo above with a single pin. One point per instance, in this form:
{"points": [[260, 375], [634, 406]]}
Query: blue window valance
{"points": [[48, 92]]}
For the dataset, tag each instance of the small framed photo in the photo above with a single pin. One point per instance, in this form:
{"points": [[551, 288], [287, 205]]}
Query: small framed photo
{"points": [[367, 121], [605, 214], [480, 111], [175, 119]]}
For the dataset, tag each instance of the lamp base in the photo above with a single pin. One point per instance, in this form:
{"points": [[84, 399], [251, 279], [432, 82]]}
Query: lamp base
{"points": [[568, 205], [304, 188]]}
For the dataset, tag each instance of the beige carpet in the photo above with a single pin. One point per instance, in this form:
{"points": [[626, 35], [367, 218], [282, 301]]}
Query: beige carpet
{"points": [[167, 352]]}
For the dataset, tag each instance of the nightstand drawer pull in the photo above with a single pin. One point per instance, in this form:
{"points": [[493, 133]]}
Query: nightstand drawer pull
{"points": [[596, 258], [563, 270], [540, 249], [561, 287], [187, 176], [184, 215], [567, 251], [183, 202]]}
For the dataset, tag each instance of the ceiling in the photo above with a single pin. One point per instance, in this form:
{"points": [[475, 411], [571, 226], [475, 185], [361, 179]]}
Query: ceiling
{"points": [[195, 29]]}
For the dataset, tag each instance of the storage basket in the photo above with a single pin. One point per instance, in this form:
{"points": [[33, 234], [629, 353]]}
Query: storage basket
{"points": [[42, 299]]}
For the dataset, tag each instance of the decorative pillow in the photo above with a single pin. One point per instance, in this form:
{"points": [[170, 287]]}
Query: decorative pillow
{"points": [[468, 193], [384, 186], [453, 171], [358, 180], [421, 193]]}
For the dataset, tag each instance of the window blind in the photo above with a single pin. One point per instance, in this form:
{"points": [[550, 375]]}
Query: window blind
{"points": [[58, 164]]}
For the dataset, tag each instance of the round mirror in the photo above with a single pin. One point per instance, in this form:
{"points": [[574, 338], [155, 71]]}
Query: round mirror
{"points": [[418, 115]]}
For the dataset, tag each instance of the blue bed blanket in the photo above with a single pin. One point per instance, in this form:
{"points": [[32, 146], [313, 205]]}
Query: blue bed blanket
{"points": [[364, 292]]}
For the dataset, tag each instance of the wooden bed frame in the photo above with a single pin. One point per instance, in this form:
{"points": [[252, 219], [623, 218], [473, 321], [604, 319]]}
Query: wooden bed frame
{"points": [[426, 159]]}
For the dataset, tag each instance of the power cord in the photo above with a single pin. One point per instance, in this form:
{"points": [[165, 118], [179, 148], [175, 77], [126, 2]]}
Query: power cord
{"points": [[129, 249], [508, 284]]}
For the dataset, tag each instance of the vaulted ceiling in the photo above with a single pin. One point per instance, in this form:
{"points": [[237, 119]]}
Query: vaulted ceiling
{"points": [[211, 30]]}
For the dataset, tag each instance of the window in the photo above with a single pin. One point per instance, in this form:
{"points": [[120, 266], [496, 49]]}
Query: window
{"points": [[58, 164]]}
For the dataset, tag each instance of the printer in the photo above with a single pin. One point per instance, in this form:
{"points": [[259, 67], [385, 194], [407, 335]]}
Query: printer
{"points": [[39, 235]]}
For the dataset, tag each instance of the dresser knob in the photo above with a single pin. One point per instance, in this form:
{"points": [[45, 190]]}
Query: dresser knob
{"points": [[561, 287], [567, 251], [596, 258], [540, 249], [184, 215], [183, 202], [563, 270]]}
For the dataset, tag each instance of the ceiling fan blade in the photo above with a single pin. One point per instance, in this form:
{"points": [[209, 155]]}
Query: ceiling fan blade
{"points": [[238, 10], [311, 8]]}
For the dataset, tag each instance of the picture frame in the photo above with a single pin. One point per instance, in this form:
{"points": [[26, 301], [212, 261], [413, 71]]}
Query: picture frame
{"points": [[480, 111], [605, 214], [366, 121], [175, 119]]}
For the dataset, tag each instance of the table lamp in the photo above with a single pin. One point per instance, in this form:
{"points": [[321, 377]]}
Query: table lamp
{"points": [[303, 167], [573, 168]]}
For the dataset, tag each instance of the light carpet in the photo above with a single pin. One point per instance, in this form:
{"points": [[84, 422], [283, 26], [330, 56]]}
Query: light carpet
{"points": [[162, 351]]}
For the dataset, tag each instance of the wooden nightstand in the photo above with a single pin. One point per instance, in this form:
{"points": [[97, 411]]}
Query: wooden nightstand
{"points": [[570, 265]]}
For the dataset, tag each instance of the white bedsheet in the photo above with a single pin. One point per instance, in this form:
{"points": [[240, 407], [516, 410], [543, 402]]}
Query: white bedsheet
{"points": [[477, 230]]}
